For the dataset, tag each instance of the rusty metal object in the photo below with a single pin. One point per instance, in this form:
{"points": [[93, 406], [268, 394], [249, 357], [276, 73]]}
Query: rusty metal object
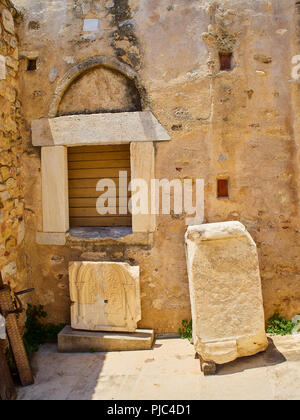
{"points": [[18, 304]]}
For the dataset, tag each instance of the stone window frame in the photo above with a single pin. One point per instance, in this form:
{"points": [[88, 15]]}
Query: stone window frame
{"points": [[55, 134]]}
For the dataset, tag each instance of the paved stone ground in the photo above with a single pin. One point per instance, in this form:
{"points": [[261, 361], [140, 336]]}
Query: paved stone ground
{"points": [[168, 371]]}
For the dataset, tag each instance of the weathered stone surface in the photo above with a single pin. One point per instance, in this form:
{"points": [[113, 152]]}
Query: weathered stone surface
{"points": [[104, 296], [92, 92], [55, 189], [107, 128], [8, 21], [243, 124], [143, 167], [288, 345], [70, 341], [225, 291], [2, 67], [48, 238], [12, 261], [90, 25]]}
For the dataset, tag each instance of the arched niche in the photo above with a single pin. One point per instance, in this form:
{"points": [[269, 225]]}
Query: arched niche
{"points": [[98, 90], [97, 85]]}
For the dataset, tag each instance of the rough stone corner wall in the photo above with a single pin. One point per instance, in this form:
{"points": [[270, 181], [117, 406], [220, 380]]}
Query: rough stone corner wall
{"points": [[11, 195]]}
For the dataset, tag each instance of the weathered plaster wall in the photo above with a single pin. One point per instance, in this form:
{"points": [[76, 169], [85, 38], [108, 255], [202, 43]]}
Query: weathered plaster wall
{"points": [[12, 227], [241, 124]]}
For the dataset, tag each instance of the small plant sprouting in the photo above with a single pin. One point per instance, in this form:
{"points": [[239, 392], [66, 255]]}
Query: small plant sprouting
{"points": [[36, 332], [186, 332], [280, 326]]}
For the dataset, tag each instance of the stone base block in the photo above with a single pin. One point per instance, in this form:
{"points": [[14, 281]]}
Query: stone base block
{"points": [[73, 341]]}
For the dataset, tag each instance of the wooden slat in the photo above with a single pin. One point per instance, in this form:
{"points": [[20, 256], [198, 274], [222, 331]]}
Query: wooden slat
{"points": [[99, 156], [88, 183], [100, 221], [92, 193], [100, 164], [98, 149], [86, 202], [92, 212], [87, 166], [95, 173]]}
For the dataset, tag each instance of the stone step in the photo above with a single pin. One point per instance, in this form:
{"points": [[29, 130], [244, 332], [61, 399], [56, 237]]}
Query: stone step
{"points": [[74, 341]]}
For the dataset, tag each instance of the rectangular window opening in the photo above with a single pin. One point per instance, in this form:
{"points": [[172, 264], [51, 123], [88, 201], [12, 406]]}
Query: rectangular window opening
{"points": [[222, 188], [87, 165], [31, 64], [225, 62]]}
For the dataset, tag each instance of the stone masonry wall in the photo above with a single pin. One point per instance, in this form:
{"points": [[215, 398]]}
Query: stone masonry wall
{"points": [[12, 226]]}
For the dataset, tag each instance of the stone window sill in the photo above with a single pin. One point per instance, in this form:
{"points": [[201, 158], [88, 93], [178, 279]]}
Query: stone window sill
{"points": [[99, 236]]}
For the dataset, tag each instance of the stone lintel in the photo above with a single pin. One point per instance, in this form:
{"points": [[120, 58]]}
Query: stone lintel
{"points": [[110, 128]]}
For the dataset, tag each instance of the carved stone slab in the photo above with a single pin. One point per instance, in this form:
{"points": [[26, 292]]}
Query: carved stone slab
{"points": [[105, 296], [225, 290]]}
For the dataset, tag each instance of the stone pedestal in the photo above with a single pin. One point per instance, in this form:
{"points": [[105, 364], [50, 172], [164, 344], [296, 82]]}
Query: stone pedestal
{"points": [[71, 341], [105, 296], [225, 291]]}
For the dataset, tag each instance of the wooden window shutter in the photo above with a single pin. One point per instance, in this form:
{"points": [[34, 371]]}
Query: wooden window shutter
{"points": [[87, 165]]}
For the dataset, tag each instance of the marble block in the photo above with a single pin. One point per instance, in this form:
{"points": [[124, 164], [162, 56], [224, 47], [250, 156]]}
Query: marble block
{"points": [[105, 296], [225, 292]]}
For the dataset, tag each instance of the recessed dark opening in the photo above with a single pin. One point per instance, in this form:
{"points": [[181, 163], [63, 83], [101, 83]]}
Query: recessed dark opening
{"points": [[222, 188], [225, 62], [34, 25], [31, 64]]}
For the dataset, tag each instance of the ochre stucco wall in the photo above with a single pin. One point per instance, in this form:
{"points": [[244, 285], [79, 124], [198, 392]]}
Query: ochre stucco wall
{"points": [[241, 124]]}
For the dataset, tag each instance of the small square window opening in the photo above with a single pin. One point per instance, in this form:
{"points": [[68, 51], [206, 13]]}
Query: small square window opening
{"points": [[31, 64], [225, 62], [222, 188]]}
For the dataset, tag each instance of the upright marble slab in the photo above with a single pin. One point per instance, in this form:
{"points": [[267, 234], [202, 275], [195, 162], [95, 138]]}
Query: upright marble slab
{"points": [[225, 292], [105, 296]]}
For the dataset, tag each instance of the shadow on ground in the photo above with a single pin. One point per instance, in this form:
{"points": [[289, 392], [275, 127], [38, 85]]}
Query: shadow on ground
{"points": [[63, 376]]}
